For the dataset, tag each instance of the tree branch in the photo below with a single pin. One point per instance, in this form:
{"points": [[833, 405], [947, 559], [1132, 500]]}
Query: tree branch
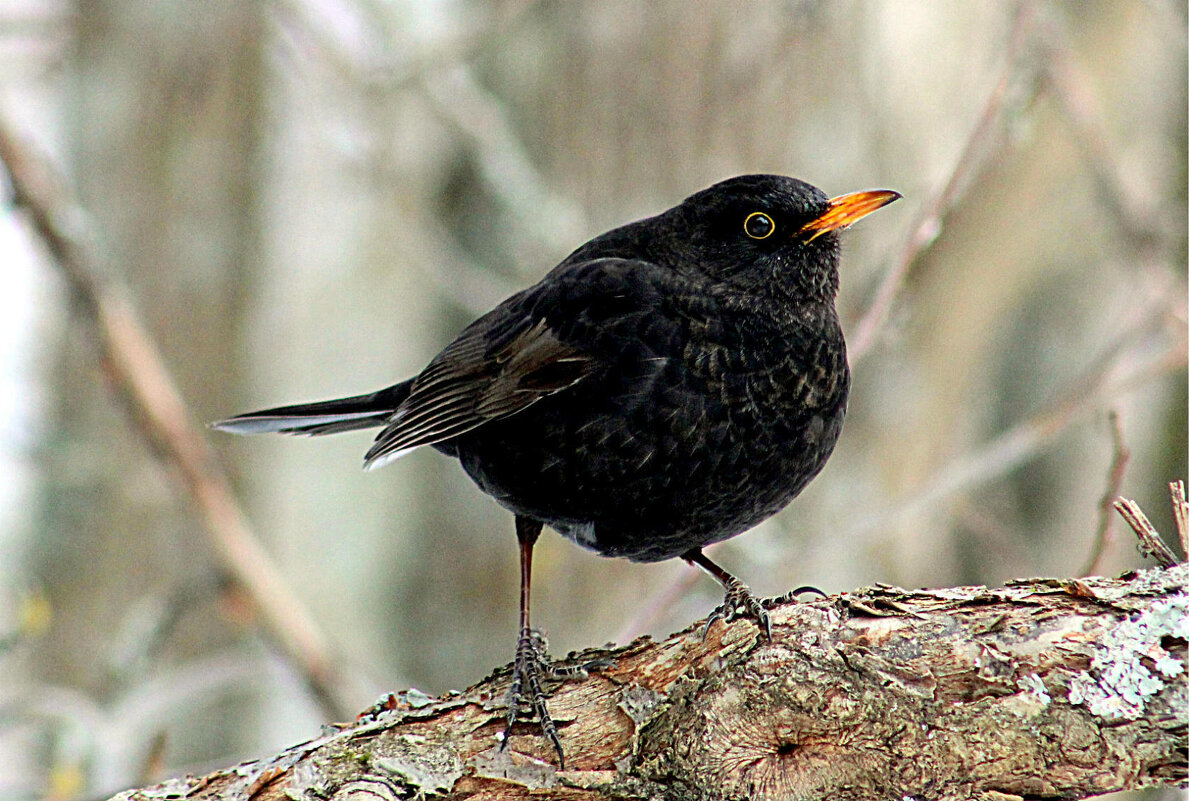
{"points": [[139, 374], [932, 216], [1103, 535], [1043, 688]]}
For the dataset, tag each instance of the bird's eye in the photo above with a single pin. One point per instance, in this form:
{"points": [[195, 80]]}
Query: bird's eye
{"points": [[758, 225]]}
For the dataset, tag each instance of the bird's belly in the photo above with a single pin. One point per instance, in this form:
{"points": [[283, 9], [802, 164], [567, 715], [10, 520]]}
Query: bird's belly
{"points": [[652, 479]]}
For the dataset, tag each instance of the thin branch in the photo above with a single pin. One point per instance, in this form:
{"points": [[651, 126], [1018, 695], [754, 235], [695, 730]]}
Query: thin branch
{"points": [[1180, 512], [1106, 382], [152, 766], [549, 217], [1149, 539], [137, 370], [390, 74], [930, 220], [1104, 534], [1075, 100], [445, 78]]}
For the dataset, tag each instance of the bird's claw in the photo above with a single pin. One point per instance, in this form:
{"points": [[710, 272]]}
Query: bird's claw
{"points": [[740, 602], [532, 665], [807, 589]]}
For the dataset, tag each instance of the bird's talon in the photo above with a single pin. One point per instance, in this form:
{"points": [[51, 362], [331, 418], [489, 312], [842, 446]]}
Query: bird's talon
{"points": [[739, 603], [807, 590], [527, 697], [716, 615], [576, 672]]}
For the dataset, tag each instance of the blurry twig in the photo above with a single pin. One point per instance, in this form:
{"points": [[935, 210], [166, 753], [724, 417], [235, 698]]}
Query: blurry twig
{"points": [[503, 20], [152, 768], [137, 370], [115, 738], [1104, 534], [149, 621], [1073, 91], [442, 74], [657, 604], [1105, 381], [1149, 539], [930, 219], [551, 218], [388, 73], [995, 537]]}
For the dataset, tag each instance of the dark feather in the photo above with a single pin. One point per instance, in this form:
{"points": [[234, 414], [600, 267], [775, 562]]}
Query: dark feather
{"points": [[497, 367], [324, 417]]}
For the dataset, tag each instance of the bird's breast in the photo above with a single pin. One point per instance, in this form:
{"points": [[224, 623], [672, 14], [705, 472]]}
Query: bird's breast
{"points": [[768, 369]]}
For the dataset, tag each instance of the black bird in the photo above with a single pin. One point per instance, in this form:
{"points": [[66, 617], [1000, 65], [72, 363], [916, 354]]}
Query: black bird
{"points": [[670, 384]]}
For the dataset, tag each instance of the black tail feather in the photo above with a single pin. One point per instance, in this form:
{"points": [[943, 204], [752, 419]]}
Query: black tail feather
{"points": [[325, 417]]}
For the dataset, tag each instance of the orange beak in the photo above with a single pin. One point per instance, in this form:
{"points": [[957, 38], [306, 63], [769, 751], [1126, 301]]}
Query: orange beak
{"points": [[846, 210]]}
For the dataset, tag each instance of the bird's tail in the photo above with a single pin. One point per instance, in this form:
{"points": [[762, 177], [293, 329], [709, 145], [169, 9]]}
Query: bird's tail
{"points": [[326, 417]]}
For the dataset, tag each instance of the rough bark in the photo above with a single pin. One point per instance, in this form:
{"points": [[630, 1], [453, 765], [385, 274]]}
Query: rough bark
{"points": [[1040, 689]]}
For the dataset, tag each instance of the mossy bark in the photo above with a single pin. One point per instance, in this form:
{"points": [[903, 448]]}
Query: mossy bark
{"points": [[1040, 689]]}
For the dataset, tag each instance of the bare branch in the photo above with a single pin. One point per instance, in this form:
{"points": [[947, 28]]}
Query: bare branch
{"points": [[1073, 91], [389, 75], [548, 216], [1149, 539], [131, 358], [446, 80], [1113, 375], [1180, 511], [153, 765], [1103, 535], [930, 220]]}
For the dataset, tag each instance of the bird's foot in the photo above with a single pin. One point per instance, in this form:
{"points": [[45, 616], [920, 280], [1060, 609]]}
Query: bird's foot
{"points": [[532, 666], [740, 602]]}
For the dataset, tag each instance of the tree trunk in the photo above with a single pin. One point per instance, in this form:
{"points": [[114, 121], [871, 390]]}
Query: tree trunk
{"points": [[1041, 689]]}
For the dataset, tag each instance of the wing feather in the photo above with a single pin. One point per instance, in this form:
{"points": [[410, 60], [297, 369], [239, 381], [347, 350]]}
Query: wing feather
{"points": [[491, 371]]}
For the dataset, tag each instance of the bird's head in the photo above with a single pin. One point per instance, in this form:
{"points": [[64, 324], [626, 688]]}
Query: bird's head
{"points": [[767, 233]]}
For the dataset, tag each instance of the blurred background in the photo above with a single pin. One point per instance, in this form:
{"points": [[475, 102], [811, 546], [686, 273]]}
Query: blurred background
{"points": [[308, 198]]}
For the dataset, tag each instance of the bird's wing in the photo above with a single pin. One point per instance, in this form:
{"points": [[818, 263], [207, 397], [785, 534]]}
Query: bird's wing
{"points": [[502, 363]]}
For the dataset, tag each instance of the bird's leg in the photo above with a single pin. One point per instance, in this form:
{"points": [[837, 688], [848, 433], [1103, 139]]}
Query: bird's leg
{"points": [[530, 663], [739, 600]]}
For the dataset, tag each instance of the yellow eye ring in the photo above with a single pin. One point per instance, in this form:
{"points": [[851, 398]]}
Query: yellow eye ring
{"points": [[759, 225]]}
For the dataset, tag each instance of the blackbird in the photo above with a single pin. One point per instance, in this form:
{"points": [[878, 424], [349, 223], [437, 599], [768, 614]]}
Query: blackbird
{"points": [[670, 384]]}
